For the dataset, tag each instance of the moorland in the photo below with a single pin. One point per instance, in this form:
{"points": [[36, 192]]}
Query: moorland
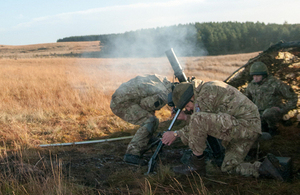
{"points": [[47, 98]]}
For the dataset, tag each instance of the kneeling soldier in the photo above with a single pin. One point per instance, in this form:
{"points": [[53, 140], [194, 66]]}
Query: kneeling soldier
{"points": [[136, 102], [272, 97], [221, 111]]}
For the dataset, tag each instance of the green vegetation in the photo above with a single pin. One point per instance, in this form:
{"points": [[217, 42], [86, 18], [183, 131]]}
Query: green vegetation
{"points": [[193, 39]]}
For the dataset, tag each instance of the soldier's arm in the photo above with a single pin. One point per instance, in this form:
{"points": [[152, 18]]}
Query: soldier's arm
{"points": [[247, 93], [289, 95], [153, 102]]}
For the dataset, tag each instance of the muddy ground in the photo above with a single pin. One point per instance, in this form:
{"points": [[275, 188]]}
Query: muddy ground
{"points": [[100, 167]]}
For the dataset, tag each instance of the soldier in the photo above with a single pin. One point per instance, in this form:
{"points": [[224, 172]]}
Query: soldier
{"points": [[272, 97], [136, 102], [221, 111]]}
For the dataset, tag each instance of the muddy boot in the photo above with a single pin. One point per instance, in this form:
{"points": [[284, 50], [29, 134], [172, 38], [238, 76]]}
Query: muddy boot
{"points": [[186, 156], [134, 159], [271, 168], [194, 163]]}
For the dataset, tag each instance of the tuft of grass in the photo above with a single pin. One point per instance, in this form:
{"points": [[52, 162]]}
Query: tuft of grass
{"points": [[22, 178], [146, 188]]}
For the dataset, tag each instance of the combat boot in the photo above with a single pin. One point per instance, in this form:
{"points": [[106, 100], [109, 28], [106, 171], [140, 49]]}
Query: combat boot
{"points": [[134, 159], [271, 168], [193, 163]]}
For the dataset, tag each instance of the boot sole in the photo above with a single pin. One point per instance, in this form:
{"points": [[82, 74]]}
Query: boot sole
{"points": [[275, 162]]}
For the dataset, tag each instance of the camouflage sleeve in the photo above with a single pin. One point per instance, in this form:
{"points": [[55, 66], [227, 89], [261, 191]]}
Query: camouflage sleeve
{"points": [[184, 134], [247, 93], [154, 102], [291, 98]]}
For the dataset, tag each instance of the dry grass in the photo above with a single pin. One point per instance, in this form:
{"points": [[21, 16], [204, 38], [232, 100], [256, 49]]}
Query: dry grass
{"points": [[19, 177], [215, 67], [67, 99], [47, 49], [50, 100]]}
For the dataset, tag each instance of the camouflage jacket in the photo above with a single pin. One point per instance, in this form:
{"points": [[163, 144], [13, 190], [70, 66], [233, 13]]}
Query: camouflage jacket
{"points": [[149, 91], [222, 99], [272, 92]]}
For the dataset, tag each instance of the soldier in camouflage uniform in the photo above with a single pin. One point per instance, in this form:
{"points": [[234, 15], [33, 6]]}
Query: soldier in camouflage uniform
{"points": [[272, 97], [136, 102], [221, 111]]}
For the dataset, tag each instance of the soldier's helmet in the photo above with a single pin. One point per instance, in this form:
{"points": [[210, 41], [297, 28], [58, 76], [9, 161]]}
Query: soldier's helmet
{"points": [[182, 94], [259, 68]]}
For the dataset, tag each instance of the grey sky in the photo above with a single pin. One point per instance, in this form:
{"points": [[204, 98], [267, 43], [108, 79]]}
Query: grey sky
{"points": [[25, 22]]}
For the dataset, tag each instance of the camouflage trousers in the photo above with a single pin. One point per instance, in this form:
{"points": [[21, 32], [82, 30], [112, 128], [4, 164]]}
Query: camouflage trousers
{"points": [[236, 135], [271, 116], [130, 112], [134, 114]]}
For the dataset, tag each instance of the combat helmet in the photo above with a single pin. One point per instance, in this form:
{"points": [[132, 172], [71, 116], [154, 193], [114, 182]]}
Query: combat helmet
{"points": [[258, 68], [182, 94]]}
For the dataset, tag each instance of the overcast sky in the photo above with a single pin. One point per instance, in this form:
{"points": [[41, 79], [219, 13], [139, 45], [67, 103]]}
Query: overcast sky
{"points": [[25, 22]]}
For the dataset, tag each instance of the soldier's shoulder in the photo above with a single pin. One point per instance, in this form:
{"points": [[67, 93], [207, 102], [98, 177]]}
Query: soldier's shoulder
{"points": [[217, 83], [197, 85], [276, 81], [197, 82], [251, 84], [271, 78]]}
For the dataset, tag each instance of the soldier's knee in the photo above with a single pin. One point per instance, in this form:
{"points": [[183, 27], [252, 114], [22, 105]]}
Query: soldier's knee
{"points": [[151, 124]]}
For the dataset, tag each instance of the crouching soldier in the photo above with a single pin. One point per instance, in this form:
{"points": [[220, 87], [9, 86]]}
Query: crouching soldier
{"points": [[221, 111], [136, 102], [273, 97]]}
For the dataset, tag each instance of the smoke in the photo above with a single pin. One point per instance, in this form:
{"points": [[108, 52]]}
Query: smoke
{"points": [[151, 43], [124, 56]]}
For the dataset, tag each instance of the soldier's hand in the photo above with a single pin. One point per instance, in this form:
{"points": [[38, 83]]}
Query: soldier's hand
{"points": [[168, 138], [182, 116]]}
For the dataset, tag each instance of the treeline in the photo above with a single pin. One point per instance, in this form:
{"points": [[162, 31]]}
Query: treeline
{"points": [[193, 39]]}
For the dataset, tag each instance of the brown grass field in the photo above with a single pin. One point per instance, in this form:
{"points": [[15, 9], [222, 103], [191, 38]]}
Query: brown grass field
{"points": [[46, 99]]}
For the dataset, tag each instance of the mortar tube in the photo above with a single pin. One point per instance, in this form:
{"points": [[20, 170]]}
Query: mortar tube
{"points": [[87, 142]]}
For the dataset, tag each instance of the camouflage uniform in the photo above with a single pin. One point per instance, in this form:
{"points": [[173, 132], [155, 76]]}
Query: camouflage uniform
{"points": [[270, 93], [136, 102], [225, 113]]}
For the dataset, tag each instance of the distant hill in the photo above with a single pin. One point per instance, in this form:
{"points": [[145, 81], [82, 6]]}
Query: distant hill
{"points": [[193, 39], [71, 49]]}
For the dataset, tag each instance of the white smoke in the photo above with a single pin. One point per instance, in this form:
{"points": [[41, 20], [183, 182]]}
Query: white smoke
{"points": [[153, 42], [124, 56]]}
